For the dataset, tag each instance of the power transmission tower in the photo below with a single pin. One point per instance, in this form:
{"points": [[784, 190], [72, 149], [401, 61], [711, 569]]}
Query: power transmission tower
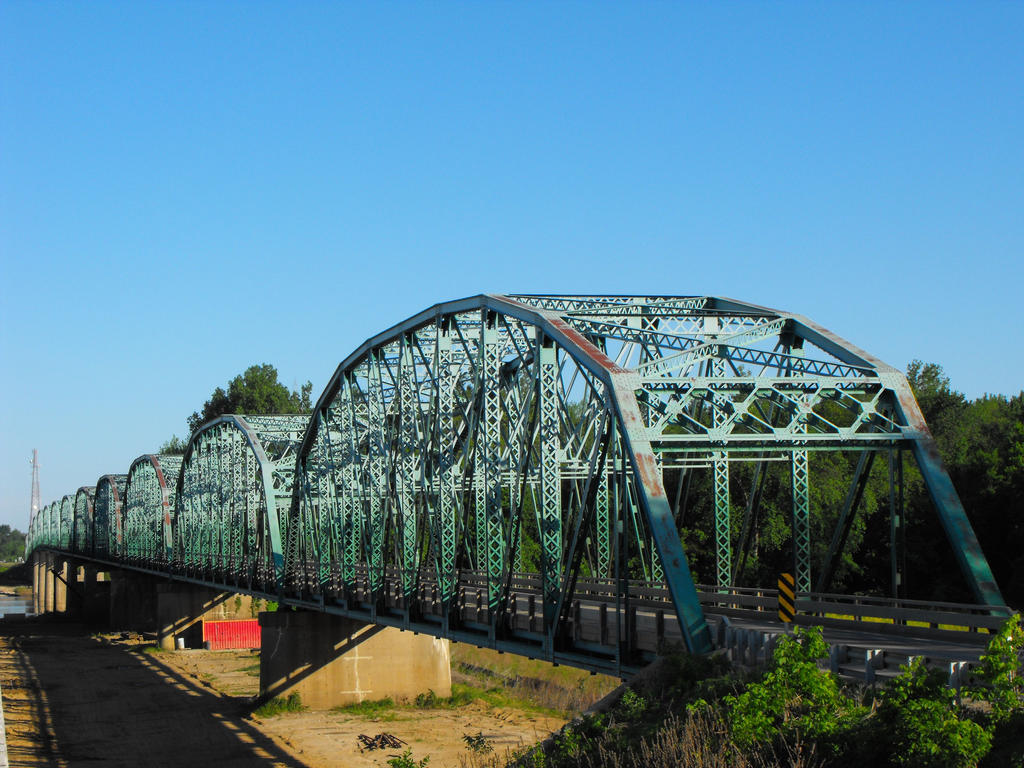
{"points": [[35, 485]]}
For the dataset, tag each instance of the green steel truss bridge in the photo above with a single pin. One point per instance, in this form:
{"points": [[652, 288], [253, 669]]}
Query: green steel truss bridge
{"points": [[494, 470]]}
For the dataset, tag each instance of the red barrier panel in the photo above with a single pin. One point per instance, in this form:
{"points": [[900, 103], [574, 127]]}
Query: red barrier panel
{"points": [[237, 633]]}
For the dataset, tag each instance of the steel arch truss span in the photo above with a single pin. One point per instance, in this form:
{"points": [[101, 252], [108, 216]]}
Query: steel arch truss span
{"points": [[148, 509], [476, 443], [65, 521], [107, 516], [234, 492], [82, 522], [494, 469]]}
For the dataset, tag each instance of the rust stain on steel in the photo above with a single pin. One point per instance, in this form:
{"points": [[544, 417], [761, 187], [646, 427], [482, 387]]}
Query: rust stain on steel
{"points": [[647, 468], [912, 410], [163, 490], [587, 347]]}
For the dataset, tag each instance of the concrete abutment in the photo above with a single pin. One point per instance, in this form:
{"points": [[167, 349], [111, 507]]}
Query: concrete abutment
{"points": [[332, 661]]}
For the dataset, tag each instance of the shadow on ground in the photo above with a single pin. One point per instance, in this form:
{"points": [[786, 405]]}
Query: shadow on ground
{"points": [[71, 699]]}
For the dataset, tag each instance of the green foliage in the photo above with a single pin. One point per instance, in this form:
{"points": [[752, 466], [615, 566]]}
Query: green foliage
{"points": [[257, 391], [12, 544], [428, 700], [406, 760], [293, 703], [982, 445], [797, 714], [794, 696], [922, 726], [173, 447], [1002, 669], [374, 708], [478, 743], [632, 705]]}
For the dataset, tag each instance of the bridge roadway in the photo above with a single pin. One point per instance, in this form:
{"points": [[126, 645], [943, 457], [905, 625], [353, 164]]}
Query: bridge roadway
{"points": [[618, 631]]}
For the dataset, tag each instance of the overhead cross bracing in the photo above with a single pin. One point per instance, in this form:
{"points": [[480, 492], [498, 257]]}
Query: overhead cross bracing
{"points": [[477, 470]]}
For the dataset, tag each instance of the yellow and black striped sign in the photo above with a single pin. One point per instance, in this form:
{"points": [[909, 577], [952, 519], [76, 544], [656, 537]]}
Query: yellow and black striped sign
{"points": [[787, 601]]}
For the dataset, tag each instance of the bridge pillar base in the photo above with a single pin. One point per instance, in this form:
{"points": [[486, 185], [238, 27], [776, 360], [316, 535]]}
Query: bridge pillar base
{"points": [[95, 596], [132, 601], [60, 584], [48, 582], [331, 661], [38, 584], [182, 608]]}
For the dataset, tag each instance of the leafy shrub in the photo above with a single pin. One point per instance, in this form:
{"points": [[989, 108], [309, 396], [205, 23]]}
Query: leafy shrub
{"points": [[922, 725], [478, 743], [793, 698], [406, 760], [1001, 669]]}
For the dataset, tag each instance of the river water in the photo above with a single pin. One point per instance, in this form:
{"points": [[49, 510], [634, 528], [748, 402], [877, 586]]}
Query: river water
{"points": [[11, 604]]}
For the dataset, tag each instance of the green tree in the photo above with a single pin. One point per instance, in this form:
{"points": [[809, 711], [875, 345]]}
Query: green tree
{"points": [[12, 544], [257, 391], [982, 445], [173, 447]]}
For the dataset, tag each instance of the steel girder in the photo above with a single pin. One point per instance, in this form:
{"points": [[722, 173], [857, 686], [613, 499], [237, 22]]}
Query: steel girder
{"points": [[233, 495], [499, 434]]}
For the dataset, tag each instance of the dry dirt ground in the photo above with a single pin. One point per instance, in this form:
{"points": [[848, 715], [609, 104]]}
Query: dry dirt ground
{"points": [[71, 698]]}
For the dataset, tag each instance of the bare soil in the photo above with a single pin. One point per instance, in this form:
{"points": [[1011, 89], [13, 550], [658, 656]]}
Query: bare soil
{"points": [[71, 698]]}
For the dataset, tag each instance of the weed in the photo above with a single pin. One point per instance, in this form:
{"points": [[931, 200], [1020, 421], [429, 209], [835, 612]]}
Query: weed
{"points": [[378, 708], [293, 703], [478, 743], [406, 760]]}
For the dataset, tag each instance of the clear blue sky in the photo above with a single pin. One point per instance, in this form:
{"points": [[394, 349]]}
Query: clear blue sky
{"points": [[190, 188]]}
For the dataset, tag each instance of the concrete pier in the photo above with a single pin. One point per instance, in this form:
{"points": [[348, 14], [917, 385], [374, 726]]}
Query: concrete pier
{"points": [[132, 601], [60, 585], [332, 661]]}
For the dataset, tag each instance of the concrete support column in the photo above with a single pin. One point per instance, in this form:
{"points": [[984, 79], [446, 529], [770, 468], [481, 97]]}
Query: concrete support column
{"points": [[60, 585], [132, 603], [37, 584], [95, 597], [76, 590], [182, 608], [331, 661], [49, 589]]}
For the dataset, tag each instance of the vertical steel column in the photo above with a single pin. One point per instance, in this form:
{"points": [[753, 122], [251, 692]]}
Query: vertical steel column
{"points": [[377, 490], [603, 525], [896, 511], [325, 502], [446, 513], [550, 522], [723, 510], [351, 497], [801, 522], [408, 397], [489, 507]]}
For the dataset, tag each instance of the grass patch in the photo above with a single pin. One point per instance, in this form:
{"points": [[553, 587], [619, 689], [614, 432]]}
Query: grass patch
{"points": [[252, 669], [380, 709], [153, 650], [293, 703]]}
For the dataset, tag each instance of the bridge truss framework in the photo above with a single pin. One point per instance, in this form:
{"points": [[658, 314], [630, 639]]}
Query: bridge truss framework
{"points": [[474, 470]]}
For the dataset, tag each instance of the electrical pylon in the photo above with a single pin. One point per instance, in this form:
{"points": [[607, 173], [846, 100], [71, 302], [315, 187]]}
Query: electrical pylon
{"points": [[35, 485]]}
